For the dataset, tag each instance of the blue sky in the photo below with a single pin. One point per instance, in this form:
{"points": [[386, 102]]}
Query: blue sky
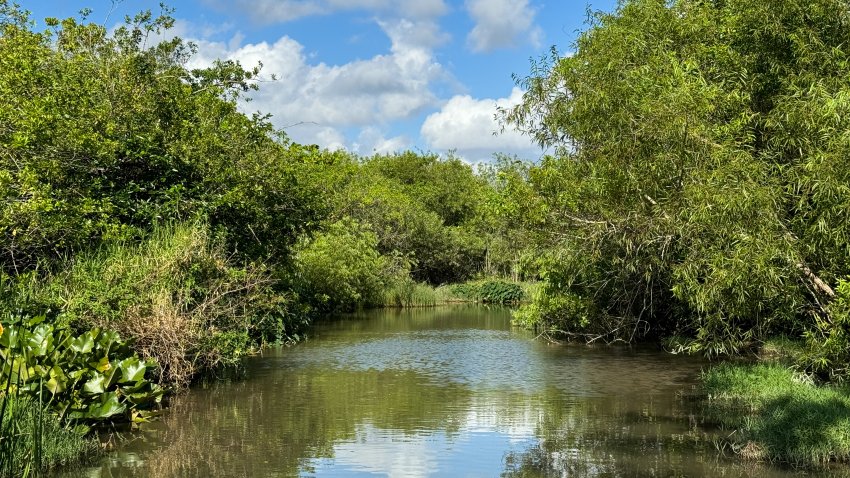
{"points": [[374, 75]]}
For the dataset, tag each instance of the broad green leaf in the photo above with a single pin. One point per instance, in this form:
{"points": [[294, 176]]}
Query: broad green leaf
{"points": [[95, 385], [108, 406], [83, 344], [132, 370]]}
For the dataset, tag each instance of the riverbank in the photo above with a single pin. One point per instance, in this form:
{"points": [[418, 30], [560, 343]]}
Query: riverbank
{"points": [[775, 414]]}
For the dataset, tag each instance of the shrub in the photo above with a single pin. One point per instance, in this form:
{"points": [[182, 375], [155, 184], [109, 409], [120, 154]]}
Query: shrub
{"points": [[555, 311], [177, 295], [827, 350], [340, 269], [498, 292], [467, 290]]}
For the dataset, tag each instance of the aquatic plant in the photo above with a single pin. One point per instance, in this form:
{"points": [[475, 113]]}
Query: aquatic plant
{"points": [[33, 438], [86, 378]]}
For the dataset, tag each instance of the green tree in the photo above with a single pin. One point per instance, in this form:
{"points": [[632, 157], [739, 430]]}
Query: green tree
{"points": [[102, 134], [699, 184]]}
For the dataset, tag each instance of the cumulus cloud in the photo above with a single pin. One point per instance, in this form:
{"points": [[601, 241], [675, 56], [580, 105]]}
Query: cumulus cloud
{"points": [[318, 96], [467, 125], [273, 11], [501, 24]]}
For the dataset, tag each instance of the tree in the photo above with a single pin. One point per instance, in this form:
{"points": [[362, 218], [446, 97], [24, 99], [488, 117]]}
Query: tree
{"points": [[700, 185], [102, 135]]}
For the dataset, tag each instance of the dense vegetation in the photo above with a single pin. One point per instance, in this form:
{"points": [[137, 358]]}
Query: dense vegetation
{"points": [[697, 192], [699, 187], [139, 203]]}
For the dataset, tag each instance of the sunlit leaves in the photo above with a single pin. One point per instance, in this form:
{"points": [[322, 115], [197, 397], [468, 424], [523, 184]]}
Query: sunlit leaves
{"points": [[702, 167]]}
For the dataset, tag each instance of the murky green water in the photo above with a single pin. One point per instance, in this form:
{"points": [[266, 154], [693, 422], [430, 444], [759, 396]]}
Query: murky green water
{"points": [[435, 392]]}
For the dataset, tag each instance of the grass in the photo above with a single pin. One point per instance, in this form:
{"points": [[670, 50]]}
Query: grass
{"points": [[779, 415], [176, 295], [413, 294], [32, 439]]}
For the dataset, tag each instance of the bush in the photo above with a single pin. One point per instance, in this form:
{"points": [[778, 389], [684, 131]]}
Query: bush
{"points": [[340, 269], [467, 290], [555, 311], [498, 292], [827, 350], [177, 296]]}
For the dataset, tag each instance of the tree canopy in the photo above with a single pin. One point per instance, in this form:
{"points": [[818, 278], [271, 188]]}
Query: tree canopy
{"points": [[700, 182]]}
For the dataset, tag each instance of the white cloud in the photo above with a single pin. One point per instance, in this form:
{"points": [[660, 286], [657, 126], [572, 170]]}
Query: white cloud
{"points": [[501, 24], [371, 141], [272, 11], [371, 92], [467, 125]]}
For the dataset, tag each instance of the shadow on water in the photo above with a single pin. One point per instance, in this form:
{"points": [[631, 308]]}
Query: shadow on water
{"points": [[450, 391]]}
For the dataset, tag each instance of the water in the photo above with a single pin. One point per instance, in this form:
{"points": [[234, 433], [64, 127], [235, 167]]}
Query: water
{"points": [[435, 392]]}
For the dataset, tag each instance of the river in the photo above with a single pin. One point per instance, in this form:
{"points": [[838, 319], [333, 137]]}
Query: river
{"points": [[449, 391]]}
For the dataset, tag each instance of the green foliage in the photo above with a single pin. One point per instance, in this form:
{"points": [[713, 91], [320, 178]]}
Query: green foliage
{"points": [[406, 292], [696, 187], [499, 292], [489, 291], [340, 269], [470, 291], [421, 207], [32, 439], [178, 296], [827, 350], [105, 135], [779, 415], [89, 377]]}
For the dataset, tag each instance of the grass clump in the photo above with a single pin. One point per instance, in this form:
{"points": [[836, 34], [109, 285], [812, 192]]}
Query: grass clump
{"points": [[780, 415], [177, 296], [409, 293], [32, 439], [490, 291]]}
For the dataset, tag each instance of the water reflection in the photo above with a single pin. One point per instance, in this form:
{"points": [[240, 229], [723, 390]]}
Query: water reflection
{"points": [[439, 392]]}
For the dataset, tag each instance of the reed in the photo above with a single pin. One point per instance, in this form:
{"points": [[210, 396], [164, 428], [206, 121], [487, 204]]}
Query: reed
{"points": [[410, 294]]}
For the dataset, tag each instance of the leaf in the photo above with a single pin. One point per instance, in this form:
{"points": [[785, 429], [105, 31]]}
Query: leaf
{"points": [[102, 365], [95, 385], [132, 370], [83, 344], [57, 382], [107, 407], [40, 340]]}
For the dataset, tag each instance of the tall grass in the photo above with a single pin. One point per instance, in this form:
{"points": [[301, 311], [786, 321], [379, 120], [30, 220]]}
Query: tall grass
{"points": [[408, 293], [779, 415], [32, 439], [177, 295]]}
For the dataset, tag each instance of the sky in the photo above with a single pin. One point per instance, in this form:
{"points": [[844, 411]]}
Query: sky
{"points": [[373, 76]]}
